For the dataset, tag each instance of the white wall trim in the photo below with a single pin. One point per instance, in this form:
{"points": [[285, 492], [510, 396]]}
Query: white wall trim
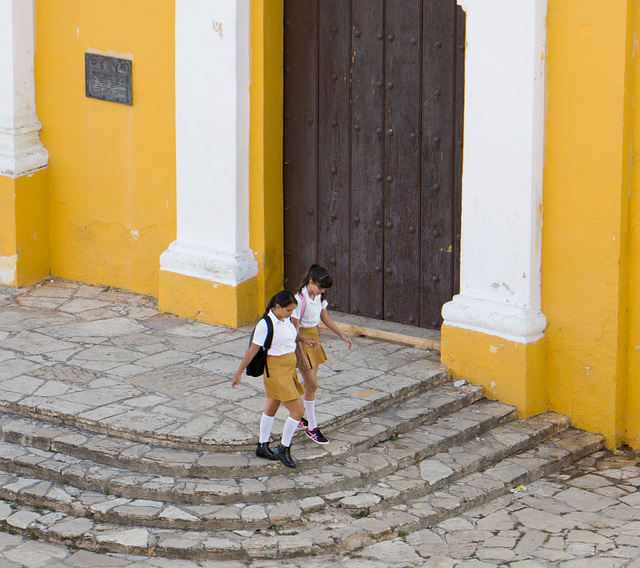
{"points": [[21, 151], [212, 142], [207, 264], [500, 273], [494, 318]]}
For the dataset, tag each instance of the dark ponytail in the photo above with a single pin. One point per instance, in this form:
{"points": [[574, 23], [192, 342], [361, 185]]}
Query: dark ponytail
{"points": [[283, 298], [319, 275]]}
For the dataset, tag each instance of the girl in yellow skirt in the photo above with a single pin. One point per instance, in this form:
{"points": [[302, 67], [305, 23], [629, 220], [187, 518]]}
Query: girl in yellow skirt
{"points": [[281, 384], [310, 311]]}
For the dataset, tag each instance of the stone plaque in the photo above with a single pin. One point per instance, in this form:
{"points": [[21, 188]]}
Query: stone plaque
{"points": [[108, 78]]}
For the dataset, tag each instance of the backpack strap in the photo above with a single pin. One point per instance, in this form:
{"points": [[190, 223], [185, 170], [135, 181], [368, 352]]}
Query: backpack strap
{"points": [[268, 340], [303, 303]]}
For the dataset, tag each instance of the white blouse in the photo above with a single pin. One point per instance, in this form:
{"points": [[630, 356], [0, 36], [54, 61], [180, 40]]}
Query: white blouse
{"points": [[312, 311], [284, 335]]}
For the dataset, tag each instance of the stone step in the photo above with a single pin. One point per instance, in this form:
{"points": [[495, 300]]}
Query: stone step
{"points": [[439, 400], [387, 396], [77, 480], [334, 531], [512, 473], [428, 475]]}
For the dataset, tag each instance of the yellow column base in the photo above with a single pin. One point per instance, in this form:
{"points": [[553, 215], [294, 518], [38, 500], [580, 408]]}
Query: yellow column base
{"points": [[24, 229], [510, 372], [211, 302]]}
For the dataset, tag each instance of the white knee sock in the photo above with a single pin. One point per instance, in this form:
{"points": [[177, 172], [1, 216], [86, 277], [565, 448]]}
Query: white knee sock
{"points": [[310, 407], [266, 425], [289, 430]]}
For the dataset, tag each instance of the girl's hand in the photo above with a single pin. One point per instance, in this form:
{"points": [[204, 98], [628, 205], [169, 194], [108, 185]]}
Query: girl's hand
{"points": [[310, 342], [253, 349], [304, 363], [326, 320]]}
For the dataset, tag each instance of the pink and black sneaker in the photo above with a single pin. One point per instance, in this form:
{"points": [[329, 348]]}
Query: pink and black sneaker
{"points": [[316, 436]]}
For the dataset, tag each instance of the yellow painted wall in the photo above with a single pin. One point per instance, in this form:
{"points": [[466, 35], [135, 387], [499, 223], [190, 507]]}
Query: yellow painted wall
{"points": [[32, 228], [112, 166], [584, 255], [266, 203], [510, 372], [8, 244], [24, 228], [633, 360]]}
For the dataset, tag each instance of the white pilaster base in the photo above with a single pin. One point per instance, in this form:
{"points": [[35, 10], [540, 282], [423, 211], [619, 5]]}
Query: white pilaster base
{"points": [[208, 264], [21, 151], [495, 318]]}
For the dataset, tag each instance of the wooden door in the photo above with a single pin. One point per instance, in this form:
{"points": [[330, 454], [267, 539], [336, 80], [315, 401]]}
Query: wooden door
{"points": [[373, 152]]}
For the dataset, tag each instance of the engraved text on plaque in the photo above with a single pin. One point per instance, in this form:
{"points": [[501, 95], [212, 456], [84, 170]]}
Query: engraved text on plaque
{"points": [[108, 78]]}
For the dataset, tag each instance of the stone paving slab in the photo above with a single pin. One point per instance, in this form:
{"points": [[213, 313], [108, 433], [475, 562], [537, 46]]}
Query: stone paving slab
{"points": [[108, 360], [336, 531]]}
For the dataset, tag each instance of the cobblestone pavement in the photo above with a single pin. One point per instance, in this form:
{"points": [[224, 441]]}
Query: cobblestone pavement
{"points": [[586, 516], [97, 355]]}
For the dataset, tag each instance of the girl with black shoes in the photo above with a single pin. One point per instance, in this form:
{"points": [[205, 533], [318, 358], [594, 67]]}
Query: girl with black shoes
{"points": [[280, 378]]}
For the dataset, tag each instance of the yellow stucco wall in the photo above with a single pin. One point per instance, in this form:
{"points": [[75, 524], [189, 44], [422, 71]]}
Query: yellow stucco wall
{"points": [[24, 229], [633, 359], [585, 231], [207, 301], [266, 203], [112, 166], [32, 229], [510, 371], [8, 244]]}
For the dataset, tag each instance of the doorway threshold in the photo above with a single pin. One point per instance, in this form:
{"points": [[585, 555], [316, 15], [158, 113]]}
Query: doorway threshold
{"points": [[390, 331]]}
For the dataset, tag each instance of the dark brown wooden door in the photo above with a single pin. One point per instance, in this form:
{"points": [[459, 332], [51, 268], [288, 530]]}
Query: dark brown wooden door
{"points": [[373, 117]]}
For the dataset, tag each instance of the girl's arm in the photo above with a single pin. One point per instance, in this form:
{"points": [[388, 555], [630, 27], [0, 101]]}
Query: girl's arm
{"points": [[301, 338], [253, 349], [326, 320]]}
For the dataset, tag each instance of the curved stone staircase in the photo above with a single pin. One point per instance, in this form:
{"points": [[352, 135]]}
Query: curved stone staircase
{"points": [[409, 461]]}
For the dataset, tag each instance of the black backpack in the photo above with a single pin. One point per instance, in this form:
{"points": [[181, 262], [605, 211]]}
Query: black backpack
{"points": [[258, 365]]}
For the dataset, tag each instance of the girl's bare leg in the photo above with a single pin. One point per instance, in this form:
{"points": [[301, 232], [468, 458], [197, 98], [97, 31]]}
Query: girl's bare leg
{"points": [[310, 381], [295, 408], [271, 406]]}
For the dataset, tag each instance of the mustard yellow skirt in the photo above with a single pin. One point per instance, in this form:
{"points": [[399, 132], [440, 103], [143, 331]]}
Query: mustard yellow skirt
{"points": [[317, 356], [282, 383]]}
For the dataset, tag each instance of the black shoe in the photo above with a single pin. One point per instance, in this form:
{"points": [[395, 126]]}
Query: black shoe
{"points": [[264, 451], [303, 422], [284, 455]]}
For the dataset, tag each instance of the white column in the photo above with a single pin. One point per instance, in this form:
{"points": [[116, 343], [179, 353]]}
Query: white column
{"points": [[212, 142], [502, 176], [20, 149]]}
